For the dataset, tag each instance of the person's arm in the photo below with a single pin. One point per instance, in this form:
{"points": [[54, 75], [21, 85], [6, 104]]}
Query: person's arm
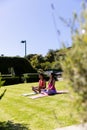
{"points": [[53, 82], [48, 85], [39, 84]]}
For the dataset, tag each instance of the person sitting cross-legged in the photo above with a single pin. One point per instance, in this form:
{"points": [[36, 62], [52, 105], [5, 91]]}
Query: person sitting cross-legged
{"points": [[51, 90], [42, 84]]}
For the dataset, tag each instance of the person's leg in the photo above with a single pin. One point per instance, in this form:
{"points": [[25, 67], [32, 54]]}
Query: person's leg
{"points": [[39, 89], [51, 92], [45, 92], [35, 89]]}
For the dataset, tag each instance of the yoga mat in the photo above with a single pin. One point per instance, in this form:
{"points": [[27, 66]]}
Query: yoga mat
{"points": [[44, 95], [28, 94], [38, 96], [62, 92]]}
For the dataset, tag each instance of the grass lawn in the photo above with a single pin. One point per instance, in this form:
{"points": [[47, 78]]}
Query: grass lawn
{"points": [[48, 113]]}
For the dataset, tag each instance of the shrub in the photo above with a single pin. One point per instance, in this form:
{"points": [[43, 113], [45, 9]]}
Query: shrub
{"points": [[12, 80], [75, 64], [30, 77]]}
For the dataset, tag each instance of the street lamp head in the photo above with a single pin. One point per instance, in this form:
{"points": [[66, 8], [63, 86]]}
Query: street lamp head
{"points": [[23, 41]]}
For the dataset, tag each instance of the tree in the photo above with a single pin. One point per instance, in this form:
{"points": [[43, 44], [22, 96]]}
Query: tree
{"points": [[50, 61], [36, 61], [30, 56], [50, 57], [46, 65], [56, 65], [75, 63]]}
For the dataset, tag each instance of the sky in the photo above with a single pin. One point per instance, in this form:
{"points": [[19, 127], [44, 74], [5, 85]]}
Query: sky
{"points": [[34, 21]]}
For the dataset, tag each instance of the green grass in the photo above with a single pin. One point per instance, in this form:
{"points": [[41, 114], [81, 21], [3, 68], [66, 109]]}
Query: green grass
{"points": [[45, 113]]}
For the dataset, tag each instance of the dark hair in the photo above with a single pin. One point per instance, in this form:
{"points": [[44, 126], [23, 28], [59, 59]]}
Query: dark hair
{"points": [[53, 75], [41, 74]]}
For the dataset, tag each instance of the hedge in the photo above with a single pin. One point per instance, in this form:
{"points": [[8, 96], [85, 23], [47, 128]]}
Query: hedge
{"points": [[19, 65], [11, 80]]}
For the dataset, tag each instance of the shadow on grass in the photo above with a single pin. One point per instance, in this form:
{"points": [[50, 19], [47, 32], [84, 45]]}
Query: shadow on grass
{"points": [[2, 94], [9, 125]]}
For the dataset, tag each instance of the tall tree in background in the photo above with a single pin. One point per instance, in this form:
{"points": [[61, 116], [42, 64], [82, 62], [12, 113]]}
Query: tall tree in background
{"points": [[50, 56], [36, 60]]}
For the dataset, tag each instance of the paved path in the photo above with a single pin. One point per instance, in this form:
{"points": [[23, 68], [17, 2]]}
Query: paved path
{"points": [[75, 127]]}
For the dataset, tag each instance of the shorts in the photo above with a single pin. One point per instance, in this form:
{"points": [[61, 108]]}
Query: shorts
{"points": [[49, 92]]}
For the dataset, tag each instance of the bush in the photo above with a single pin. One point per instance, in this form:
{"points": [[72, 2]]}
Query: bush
{"points": [[30, 77], [75, 64]]}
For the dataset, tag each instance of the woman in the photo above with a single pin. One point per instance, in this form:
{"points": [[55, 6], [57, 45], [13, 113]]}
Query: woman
{"points": [[42, 84], [51, 90]]}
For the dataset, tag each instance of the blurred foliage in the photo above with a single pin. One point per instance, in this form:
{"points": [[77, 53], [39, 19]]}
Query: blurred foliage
{"points": [[9, 125], [75, 63]]}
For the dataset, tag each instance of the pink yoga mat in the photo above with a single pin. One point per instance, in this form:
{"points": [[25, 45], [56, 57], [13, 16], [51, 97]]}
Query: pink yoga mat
{"points": [[38, 96], [43, 95]]}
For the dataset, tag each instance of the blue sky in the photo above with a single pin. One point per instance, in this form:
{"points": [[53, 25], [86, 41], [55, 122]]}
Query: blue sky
{"points": [[32, 20]]}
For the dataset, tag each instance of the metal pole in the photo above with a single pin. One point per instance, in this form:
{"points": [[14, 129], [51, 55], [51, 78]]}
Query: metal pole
{"points": [[25, 48]]}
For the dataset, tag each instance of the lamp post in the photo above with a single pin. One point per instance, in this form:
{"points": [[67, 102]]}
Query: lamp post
{"points": [[24, 41]]}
